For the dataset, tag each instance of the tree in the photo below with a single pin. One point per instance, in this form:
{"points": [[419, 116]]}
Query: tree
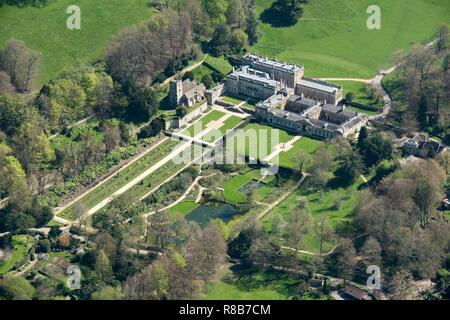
{"points": [[220, 42], [235, 14], [158, 230], [16, 288], [107, 293], [444, 159], [102, 96], [238, 41], [252, 26], [20, 63], [445, 63], [363, 134], [377, 148], [181, 111], [345, 259], [112, 136], [442, 38], [206, 252], [400, 285], [303, 159], [207, 81], [6, 86], [422, 112], [143, 103], [102, 267], [283, 13], [299, 225], [371, 250], [151, 284], [15, 183], [32, 147], [323, 232]]}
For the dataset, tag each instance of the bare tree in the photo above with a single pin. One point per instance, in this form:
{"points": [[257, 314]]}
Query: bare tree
{"points": [[20, 63], [6, 86], [345, 259], [323, 232], [206, 252]]}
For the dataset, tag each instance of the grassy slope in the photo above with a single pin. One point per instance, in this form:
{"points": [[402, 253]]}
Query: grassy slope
{"points": [[44, 29], [340, 45]]}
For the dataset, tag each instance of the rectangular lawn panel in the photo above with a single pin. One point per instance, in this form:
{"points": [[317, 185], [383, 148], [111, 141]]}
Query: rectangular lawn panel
{"points": [[264, 135], [201, 123]]}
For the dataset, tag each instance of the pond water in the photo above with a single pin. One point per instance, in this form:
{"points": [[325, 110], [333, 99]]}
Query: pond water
{"points": [[207, 212]]}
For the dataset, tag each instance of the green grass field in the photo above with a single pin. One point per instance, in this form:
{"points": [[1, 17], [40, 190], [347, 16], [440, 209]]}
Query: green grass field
{"points": [[289, 159], [231, 188], [220, 64], [249, 284], [181, 209], [258, 134], [333, 40], [201, 124], [44, 30]]}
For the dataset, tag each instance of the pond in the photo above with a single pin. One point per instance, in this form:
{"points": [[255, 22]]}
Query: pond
{"points": [[207, 212]]}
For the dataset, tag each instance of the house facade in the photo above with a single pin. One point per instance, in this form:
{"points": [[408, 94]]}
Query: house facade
{"points": [[288, 74], [252, 83], [319, 90]]}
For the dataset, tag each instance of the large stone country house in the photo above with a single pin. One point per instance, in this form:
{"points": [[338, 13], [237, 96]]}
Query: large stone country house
{"points": [[292, 102]]}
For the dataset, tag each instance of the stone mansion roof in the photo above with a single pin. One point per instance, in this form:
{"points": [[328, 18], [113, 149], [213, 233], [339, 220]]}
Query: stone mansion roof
{"points": [[268, 63], [320, 85], [254, 76]]}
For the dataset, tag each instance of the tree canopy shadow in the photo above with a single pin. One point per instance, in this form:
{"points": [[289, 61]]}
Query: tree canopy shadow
{"points": [[275, 18]]}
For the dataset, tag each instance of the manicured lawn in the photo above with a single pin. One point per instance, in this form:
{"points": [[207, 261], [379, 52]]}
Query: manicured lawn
{"points": [[220, 64], [333, 39], [257, 135], [308, 145], [200, 125], [228, 124], [21, 245], [44, 30], [234, 196], [248, 104], [182, 209], [231, 189], [249, 284]]}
